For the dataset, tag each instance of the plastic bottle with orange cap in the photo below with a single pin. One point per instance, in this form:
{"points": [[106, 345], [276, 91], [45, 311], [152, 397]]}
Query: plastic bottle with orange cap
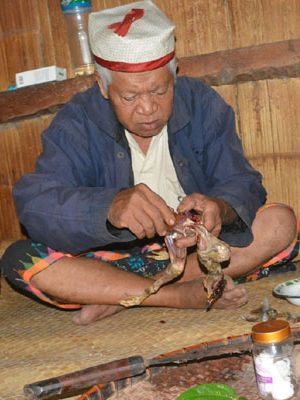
{"points": [[273, 356]]}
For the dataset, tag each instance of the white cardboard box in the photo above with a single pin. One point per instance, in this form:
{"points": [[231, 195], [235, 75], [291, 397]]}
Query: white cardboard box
{"points": [[40, 75]]}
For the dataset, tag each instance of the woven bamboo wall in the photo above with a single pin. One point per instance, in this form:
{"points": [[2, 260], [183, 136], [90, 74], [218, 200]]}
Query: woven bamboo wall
{"points": [[32, 32], [19, 146], [32, 35]]}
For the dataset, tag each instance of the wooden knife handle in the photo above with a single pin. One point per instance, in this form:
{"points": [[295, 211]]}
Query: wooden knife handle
{"points": [[103, 373]]}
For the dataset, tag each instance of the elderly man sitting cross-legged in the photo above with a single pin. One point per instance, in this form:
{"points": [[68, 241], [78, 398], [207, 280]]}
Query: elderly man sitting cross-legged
{"points": [[117, 161]]}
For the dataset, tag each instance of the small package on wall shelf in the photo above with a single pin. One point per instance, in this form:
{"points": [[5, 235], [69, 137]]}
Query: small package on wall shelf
{"points": [[40, 75]]}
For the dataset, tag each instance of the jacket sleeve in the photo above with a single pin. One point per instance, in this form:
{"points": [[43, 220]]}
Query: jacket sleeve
{"points": [[59, 204], [229, 174]]}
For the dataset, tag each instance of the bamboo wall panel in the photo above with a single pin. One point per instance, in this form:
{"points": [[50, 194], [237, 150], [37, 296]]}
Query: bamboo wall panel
{"points": [[20, 144], [254, 22], [269, 119], [194, 34], [53, 35], [20, 40], [10, 228], [204, 26], [278, 177], [268, 123], [33, 32], [32, 35]]}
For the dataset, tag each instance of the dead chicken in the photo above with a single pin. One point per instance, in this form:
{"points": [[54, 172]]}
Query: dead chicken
{"points": [[211, 253]]}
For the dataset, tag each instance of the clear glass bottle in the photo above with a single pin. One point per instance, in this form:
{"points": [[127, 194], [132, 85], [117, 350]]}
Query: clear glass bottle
{"points": [[76, 14], [273, 356]]}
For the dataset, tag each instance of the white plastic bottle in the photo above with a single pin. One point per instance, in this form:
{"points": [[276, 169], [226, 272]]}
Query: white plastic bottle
{"points": [[273, 356], [76, 14]]}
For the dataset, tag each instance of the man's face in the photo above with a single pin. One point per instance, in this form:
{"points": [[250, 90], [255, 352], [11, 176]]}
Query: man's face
{"points": [[142, 101]]}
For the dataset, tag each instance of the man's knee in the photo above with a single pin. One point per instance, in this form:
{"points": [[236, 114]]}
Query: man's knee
{"points": [[281, 220]]}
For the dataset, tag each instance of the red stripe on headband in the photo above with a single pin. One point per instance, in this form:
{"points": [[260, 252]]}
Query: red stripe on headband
{"points": [[135, 67]]}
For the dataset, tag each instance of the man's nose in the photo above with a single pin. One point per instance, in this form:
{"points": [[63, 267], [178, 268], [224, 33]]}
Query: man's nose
{"points": [[147, 105]]}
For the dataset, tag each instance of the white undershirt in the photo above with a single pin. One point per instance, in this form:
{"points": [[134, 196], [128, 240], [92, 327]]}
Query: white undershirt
{"points": [[156, 168]]}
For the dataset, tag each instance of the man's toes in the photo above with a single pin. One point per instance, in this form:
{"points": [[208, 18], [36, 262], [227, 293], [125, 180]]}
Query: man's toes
{"points": [[77, 318], [94, 312]]}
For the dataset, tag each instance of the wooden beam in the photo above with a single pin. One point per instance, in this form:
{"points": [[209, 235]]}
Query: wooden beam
{"points": [[267, 61], [35, 99]]}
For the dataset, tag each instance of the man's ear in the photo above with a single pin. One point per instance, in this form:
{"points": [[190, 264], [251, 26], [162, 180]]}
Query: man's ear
{"points": [[101, 87]]}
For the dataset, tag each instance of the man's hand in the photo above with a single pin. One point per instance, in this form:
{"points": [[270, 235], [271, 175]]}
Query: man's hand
{"points": [[215, 212], [233, 296], [142, 211]]}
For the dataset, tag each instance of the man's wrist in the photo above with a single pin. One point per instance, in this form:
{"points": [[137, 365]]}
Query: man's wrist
{"points": [[228, 214]]}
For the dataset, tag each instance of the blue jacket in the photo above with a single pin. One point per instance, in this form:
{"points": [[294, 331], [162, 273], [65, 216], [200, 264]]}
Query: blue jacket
{"points": [[86, 161]]}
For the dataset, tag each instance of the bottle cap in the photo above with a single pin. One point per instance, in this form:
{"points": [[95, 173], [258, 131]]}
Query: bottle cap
{"points": [[69, 5], [271, 331]]}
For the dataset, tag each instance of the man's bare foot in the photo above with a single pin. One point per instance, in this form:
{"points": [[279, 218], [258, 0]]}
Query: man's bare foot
{"points": [[193, 295], [94, 312], [234, 296], [189, 295]]}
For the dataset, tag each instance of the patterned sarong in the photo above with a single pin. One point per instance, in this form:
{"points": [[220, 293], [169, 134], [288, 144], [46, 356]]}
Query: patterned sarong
{"points": [[25, 258]]}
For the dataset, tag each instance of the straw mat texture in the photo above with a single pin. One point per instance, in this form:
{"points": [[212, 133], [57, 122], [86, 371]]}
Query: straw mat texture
{"points": [[39, 342]]}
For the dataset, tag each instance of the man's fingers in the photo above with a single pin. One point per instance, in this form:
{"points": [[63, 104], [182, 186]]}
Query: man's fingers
{"points": [[188, 203], [207, 207], [142, 211], [136, 228], [148, 222], [154, 207], [159, 207], [158, 219], [141, 225]]}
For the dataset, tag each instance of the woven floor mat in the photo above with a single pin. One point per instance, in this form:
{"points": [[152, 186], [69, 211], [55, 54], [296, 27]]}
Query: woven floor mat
{"points": [[39, 342]]}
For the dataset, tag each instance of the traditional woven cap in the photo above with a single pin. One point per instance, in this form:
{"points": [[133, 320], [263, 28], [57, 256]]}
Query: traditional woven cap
{"points": [[135, 37]]}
